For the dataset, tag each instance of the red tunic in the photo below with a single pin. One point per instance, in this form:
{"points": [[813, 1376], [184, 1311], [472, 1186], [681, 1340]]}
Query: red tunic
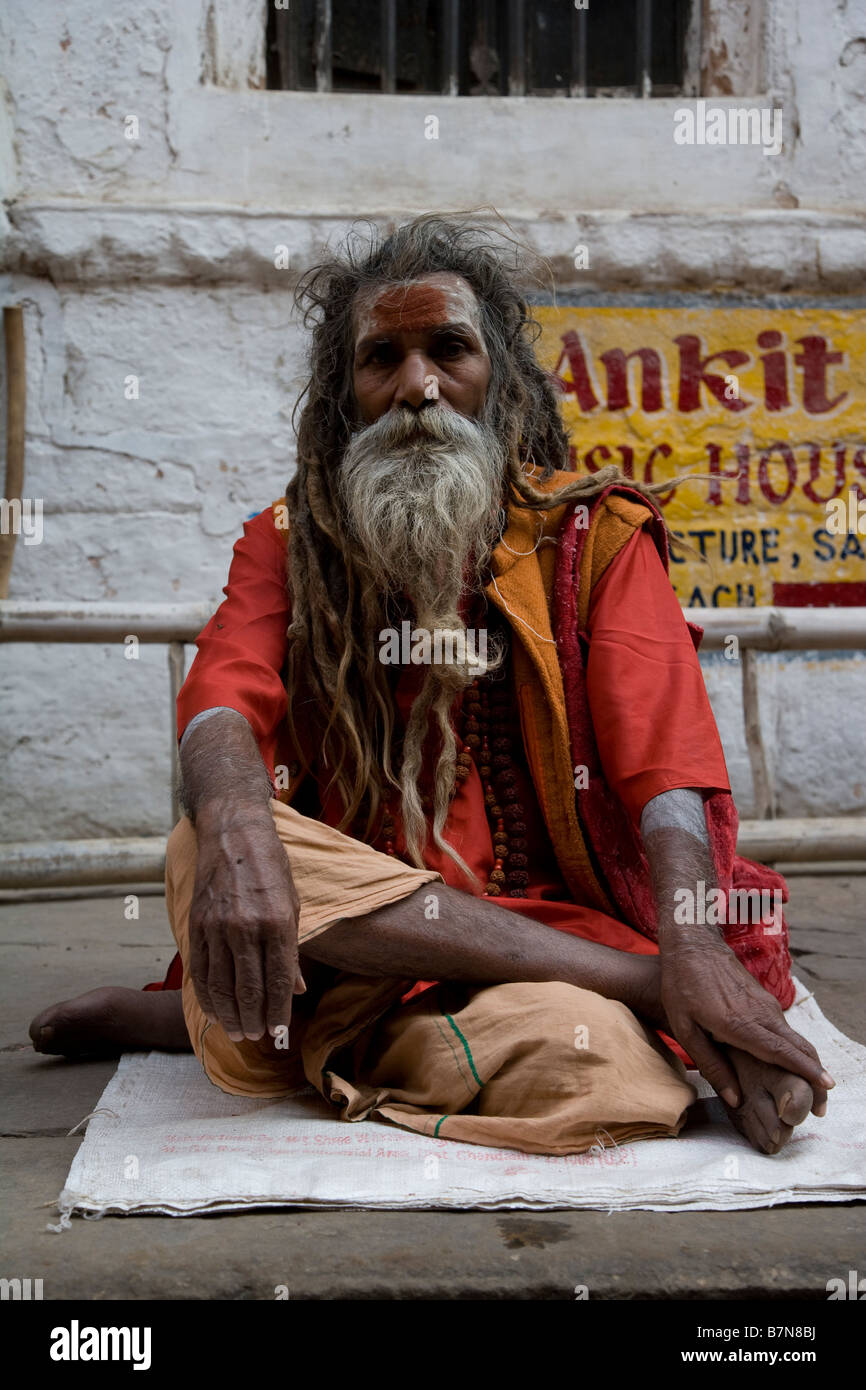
{"points": [[652, 718]]}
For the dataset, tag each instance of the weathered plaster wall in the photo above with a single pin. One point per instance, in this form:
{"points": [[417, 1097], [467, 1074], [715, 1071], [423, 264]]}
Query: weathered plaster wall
{"points": [[155, 257]]}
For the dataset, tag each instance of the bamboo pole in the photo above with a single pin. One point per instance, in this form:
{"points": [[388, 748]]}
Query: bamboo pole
{"points": [[781, 629], [763, 789], [16, 423], [65, 863], [758, 629], [175, 680], [103, 621], [55, 863], [803, 840]]}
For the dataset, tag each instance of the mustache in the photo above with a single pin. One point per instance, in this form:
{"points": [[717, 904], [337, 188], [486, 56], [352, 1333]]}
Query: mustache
{"points": [[435, 423], [419, 491]]}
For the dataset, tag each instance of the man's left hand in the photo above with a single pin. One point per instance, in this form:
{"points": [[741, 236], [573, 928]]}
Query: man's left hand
{"points": [[709, 998]]}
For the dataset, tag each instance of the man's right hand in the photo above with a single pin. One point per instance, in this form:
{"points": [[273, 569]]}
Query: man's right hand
{"points": [[243, 924]]}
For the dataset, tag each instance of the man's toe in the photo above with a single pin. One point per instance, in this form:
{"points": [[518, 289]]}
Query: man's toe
{"points": [[42, 1031], [793, 1097]]}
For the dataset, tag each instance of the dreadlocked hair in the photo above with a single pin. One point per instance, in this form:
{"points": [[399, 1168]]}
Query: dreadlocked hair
{"points": [[335, 618]]}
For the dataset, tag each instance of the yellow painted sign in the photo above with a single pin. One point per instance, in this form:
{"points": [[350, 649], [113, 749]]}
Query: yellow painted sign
{"points": [[770, 404]]}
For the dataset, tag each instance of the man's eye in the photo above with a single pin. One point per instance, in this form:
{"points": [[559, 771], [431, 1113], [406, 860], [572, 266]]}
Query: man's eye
{"points": [[450, 347], [382, 352]]}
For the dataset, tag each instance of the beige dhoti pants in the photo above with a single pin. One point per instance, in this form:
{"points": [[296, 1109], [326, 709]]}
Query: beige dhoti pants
{"points": [[544, 1068]]}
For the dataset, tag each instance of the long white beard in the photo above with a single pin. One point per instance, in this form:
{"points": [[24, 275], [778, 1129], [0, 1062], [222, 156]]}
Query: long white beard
{"points": [[422, 494]]}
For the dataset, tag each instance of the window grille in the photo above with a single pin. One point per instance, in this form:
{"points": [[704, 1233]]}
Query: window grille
{"points": [[637, 48]]}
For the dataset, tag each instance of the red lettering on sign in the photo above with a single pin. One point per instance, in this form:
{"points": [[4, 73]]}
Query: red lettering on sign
{"points": [[741, 473], [814, 360], [775, 372], [616, 365], [764, 472], [581, 382], [815, 470], [693, 372]]}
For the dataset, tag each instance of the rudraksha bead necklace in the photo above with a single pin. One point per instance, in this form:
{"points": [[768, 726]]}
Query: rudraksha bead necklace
{"points": [[486, 738]]}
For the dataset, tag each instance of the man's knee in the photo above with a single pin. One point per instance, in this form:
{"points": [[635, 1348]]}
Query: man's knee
{"points": [[180, 860], [180, 841], [553, 1017], [568, 1052]]}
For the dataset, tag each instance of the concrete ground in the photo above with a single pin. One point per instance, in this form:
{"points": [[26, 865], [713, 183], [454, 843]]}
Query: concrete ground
{"points": [[52, 950]]}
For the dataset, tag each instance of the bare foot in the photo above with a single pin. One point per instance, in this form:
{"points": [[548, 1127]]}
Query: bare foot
{"points": [[107, 1021], [774, 1102]]}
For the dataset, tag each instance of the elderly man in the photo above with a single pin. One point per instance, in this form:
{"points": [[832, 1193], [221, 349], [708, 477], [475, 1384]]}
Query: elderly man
{"points": [[442, 879]]}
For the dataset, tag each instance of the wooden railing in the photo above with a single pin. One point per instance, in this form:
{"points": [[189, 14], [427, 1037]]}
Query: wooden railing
{"points": [[39, 864]]}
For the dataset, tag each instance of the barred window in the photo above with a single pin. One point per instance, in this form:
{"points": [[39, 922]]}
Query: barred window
{"points": [[484, 47]]}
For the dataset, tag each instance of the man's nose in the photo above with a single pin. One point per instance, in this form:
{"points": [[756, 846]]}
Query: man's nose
{"points": [[413, 384]]}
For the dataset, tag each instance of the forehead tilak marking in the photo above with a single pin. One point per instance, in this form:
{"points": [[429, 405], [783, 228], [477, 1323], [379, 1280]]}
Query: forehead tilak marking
{"points": [[415, 307]]}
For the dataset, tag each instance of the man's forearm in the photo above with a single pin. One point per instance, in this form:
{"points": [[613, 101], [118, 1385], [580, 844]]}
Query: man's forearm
{"points": [[222, 768], [478, 941], [673, 827], [243, 919]]}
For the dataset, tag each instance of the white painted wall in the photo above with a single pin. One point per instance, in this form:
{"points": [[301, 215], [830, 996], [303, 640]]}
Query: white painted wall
{"points": [[154, 257]]}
